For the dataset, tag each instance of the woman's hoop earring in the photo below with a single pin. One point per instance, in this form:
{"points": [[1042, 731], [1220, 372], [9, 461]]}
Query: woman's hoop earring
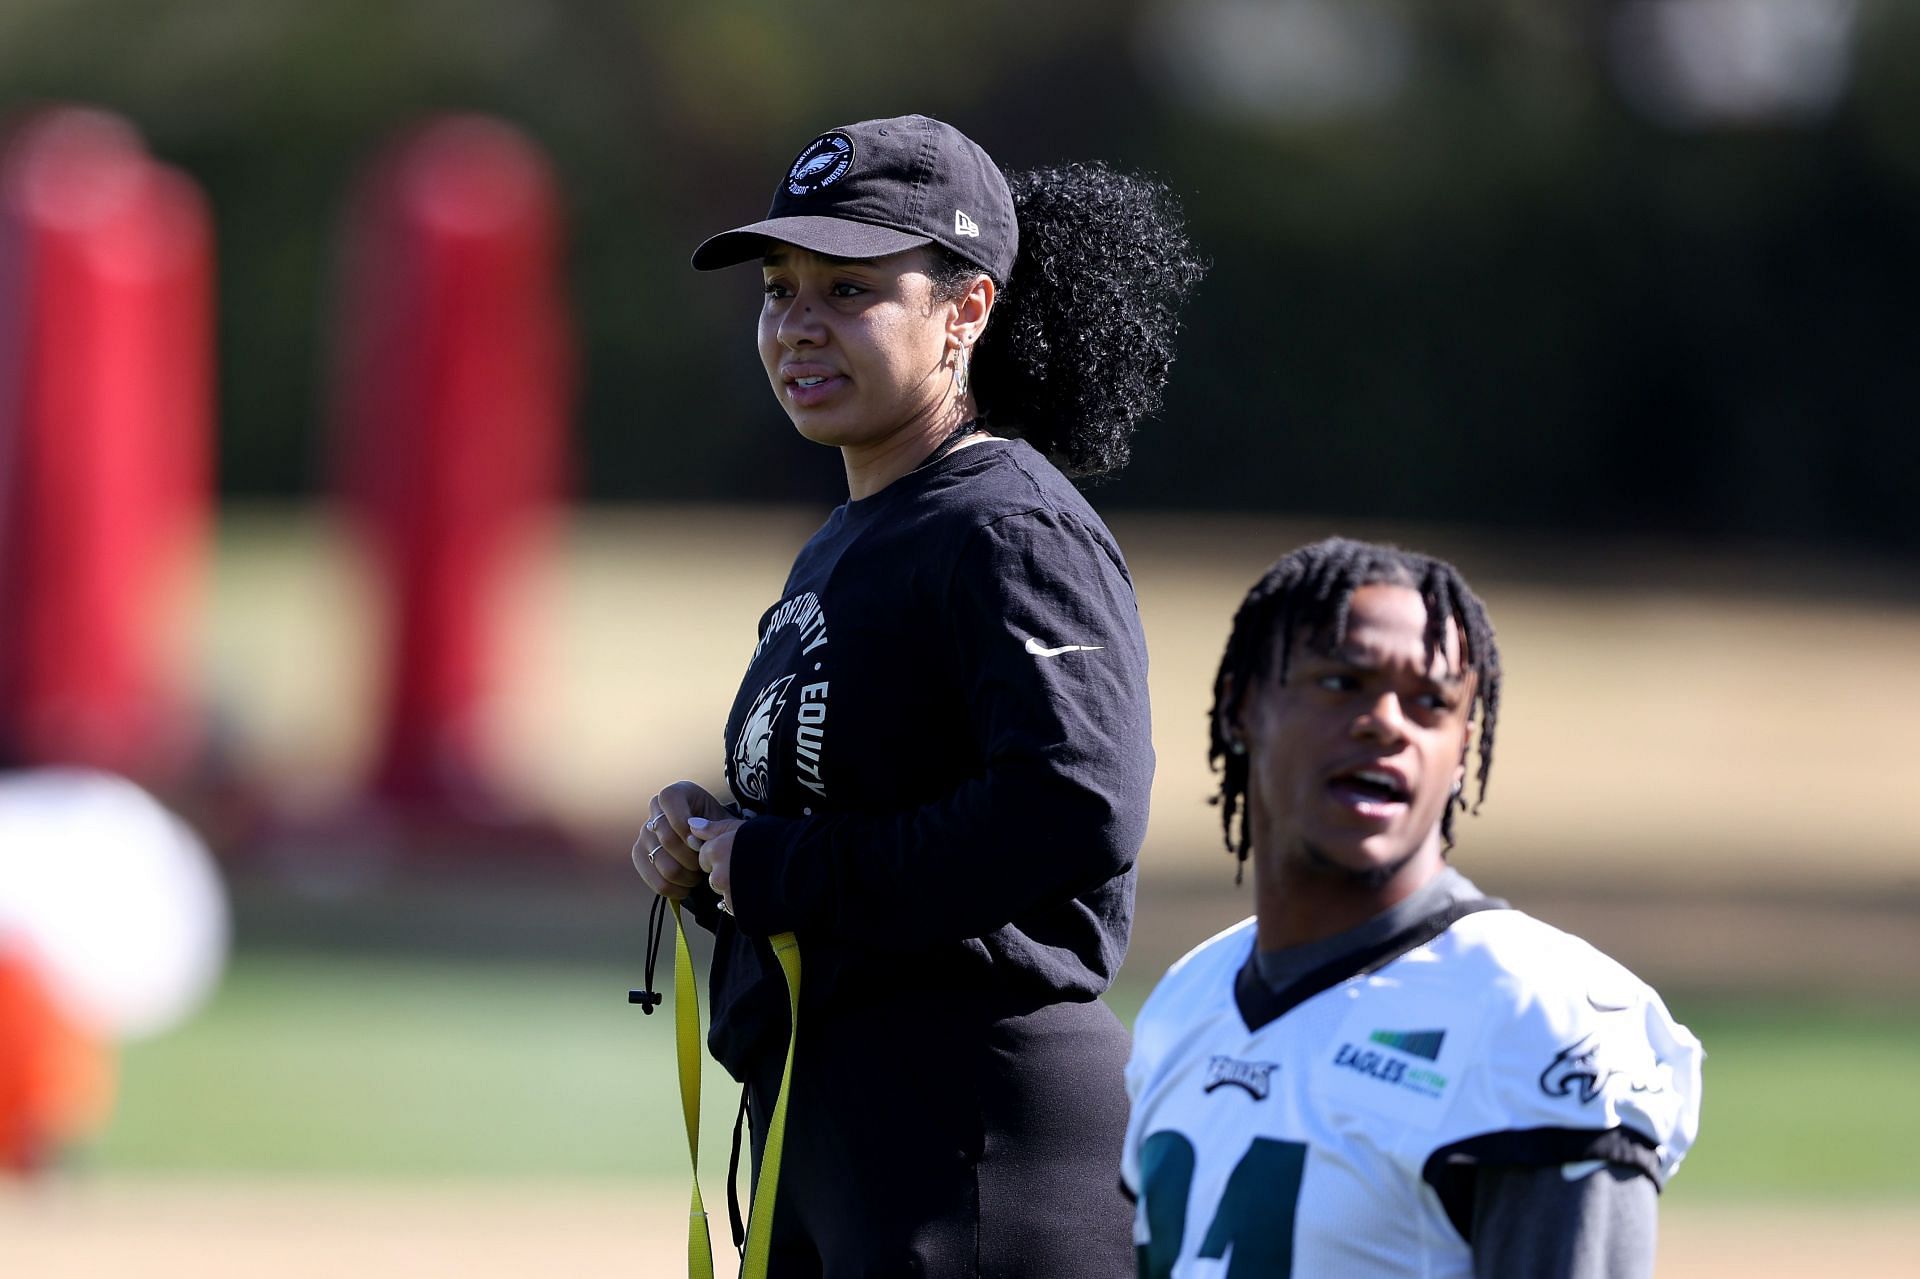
{"points": [[960, 378]]}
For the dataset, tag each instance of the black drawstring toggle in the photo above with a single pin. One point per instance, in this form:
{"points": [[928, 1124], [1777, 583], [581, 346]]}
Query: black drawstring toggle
{"points": [[647, 997]]}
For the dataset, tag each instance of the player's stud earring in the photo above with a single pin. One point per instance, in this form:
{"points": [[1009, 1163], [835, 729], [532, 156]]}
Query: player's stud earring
{"points": [[1236, 747]]}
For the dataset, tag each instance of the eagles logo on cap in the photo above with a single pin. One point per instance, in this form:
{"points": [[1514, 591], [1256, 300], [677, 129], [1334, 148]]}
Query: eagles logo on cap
{"points": [[823, 162]]}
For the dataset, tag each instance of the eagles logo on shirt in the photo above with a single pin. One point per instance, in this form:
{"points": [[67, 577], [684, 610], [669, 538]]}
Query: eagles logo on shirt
{"points": [[750, 749], [1254, 1076], [1576, 1068]]}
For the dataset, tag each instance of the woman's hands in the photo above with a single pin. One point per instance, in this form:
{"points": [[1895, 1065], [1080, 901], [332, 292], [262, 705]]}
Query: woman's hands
{"points": [[688, 834]]}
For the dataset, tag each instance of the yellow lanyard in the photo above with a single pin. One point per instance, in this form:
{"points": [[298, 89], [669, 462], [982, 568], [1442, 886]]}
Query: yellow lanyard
{"points": [[686, 1026]]}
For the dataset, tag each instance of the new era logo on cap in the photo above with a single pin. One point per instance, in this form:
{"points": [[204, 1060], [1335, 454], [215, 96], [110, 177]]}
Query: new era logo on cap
{"points": [[964, 225]]}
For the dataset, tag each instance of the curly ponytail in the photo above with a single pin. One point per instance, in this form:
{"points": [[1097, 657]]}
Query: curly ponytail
{"points": [[1082, 336]]}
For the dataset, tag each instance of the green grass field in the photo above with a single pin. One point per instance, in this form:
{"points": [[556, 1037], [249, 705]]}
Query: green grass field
{"points": [[421, 1069]]}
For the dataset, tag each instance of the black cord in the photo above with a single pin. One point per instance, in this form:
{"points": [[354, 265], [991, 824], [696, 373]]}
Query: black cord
{"points": [[647, 997], [969, 427], [733, 1181]]}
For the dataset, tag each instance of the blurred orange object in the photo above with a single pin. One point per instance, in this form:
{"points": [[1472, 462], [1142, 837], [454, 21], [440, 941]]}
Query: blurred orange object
{"points": [[106, 408], [56, 1076]]}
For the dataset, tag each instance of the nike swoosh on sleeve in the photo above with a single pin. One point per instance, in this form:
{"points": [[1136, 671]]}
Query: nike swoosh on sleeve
{"points": [[1038, 649]]}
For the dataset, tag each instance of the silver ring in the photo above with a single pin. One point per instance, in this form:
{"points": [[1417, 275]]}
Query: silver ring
{"points": [[651, 854]]}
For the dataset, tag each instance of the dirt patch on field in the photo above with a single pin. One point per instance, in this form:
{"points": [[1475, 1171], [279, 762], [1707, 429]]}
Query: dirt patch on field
{"points": [[1663, 717], [197, 1230], [200, 1230]]}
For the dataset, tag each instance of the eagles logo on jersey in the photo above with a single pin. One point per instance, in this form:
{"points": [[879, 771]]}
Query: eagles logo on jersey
{"points": [[752, 747]]}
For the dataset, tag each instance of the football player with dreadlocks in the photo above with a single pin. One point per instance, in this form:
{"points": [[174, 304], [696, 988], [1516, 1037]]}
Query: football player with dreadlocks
{"points": [[1385, 1072]]}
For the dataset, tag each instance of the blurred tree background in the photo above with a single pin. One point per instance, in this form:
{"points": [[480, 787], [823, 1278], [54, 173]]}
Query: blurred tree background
{"points": [[1609, 265]]}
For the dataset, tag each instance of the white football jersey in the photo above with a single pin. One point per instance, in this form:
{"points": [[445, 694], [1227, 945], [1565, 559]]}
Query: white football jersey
{"points": [[1338, 1135]]}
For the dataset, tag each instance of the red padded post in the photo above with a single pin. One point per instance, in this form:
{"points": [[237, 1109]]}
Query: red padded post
{"points": [[453, 400], [106, 443]]}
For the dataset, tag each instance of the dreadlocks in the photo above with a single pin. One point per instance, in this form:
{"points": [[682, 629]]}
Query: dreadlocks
{"points": [[1309, 592]]}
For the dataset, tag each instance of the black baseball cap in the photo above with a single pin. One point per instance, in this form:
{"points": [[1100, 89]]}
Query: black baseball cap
{"points": [[883, 186]]}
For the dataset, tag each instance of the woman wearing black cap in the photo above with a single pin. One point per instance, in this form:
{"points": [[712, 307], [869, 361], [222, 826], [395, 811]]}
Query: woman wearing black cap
{"points": [[941, 751]]}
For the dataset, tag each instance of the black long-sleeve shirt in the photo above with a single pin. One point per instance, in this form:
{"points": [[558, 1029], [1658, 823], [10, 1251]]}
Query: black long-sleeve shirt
{"points": [[943, 737]]}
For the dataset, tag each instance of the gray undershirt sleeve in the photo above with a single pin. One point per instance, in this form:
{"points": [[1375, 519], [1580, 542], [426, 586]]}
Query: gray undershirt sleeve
{"points": [[1532, 1223]]}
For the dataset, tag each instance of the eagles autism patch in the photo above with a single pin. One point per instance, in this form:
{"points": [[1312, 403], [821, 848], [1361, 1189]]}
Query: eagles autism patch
{"points": [[820, 164]]}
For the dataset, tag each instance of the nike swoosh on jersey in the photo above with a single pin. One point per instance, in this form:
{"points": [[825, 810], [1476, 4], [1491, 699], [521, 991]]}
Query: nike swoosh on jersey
{"points": [[1038, 649]]}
